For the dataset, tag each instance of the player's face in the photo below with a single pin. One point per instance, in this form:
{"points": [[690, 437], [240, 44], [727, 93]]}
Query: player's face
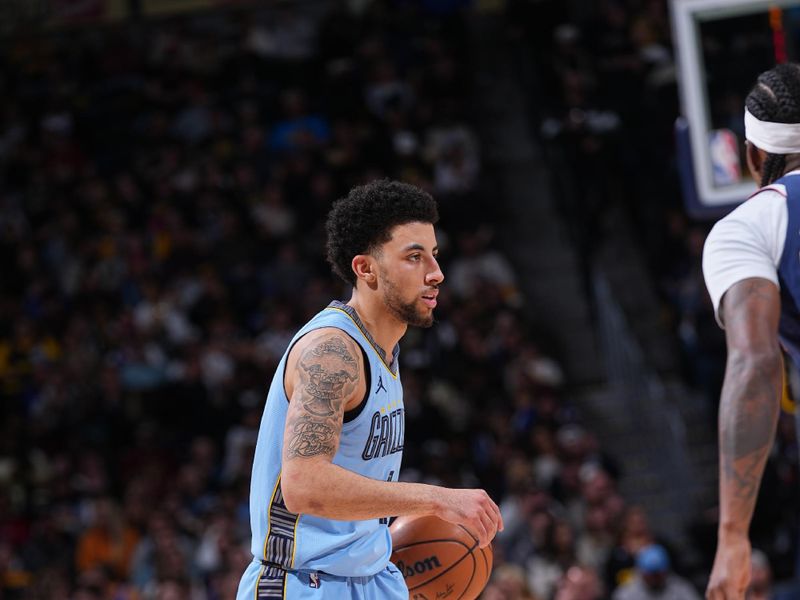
{"points": [[410, 275]]}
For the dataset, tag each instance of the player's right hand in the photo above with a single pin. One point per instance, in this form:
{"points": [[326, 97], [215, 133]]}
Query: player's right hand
{"points": [[473, 509], [731, 573]]}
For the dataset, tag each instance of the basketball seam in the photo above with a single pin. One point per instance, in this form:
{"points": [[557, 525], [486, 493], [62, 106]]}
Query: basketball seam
{"points": [[471, 576], [455, 564], [474, 570], [451, 540], [485, 560], [487, 567], [474, 539]]}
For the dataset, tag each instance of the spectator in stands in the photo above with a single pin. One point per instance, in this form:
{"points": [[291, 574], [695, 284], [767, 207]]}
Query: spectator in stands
{"points": [[760, 577], [109, 542], [508, 583], [654, 579], [299, 130], [596, 540], [633, 535], [549, 564], [580, 583]]}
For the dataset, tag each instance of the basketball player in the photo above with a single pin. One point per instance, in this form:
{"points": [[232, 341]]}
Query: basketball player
{"points": [[325, 474], [751, 264]]}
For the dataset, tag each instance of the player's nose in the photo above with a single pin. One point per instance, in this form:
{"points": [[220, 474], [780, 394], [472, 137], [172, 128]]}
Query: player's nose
{"points": [[435, 277]]}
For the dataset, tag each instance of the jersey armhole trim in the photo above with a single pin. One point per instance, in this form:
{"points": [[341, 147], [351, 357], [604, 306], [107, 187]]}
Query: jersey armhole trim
{"points": [[767, 188], [353, 413]]}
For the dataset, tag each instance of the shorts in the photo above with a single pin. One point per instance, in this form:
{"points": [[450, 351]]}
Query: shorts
{"points": [[260, 582]]}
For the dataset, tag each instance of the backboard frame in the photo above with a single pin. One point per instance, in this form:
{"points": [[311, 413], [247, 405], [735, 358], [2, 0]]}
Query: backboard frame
{"points": [[686, 18]]}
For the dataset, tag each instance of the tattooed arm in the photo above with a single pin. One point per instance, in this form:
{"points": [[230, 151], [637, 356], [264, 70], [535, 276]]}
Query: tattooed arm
{"points": [[748, 416], [324, 378]]}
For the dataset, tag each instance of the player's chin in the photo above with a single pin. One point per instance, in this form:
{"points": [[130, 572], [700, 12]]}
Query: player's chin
{"points": [[423, 318], [425, 323]]}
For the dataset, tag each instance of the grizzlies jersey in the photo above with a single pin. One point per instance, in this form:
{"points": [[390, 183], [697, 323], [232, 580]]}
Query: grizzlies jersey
{"points": [[371, 444], [789, 271]]}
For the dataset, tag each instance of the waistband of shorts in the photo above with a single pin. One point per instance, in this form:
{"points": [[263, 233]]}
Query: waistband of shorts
{"points": [[321, 574]]}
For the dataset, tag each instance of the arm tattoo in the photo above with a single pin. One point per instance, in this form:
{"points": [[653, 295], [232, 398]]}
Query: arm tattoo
{"points": [[751, 290], [311, 437], [329, 366], [751, 393], [745, 480], [329, 375], [754, 412], [750, 407]]}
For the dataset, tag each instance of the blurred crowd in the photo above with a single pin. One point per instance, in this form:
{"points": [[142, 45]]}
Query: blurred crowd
{"points": [[163, 186], [602, 82], [163, 190]]}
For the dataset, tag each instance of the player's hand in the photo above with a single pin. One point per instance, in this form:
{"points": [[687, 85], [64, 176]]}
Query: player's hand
{"points": [[473, 509], [731, 573]]}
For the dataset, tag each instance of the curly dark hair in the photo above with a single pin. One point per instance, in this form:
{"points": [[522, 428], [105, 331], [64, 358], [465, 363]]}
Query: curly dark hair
{"points": [[363, 220], [776, 98]]}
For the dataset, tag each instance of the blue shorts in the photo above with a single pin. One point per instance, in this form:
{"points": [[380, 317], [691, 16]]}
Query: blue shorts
{"points": [[267, 583]]}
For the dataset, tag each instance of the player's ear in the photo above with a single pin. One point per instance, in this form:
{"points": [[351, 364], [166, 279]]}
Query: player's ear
{"points": [[755, 160], [365, 268]]}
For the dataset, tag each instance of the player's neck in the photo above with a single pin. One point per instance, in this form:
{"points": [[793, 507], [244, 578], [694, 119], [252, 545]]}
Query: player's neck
{"points": [[792, 163], [384, 328]]}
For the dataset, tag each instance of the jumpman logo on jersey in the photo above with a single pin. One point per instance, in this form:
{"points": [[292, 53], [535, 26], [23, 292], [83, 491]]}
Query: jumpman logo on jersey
{"points": [[381, 386]]}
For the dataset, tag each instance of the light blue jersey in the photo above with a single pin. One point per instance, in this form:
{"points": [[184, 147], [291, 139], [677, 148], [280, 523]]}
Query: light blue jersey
{"points": [[371, 445]]}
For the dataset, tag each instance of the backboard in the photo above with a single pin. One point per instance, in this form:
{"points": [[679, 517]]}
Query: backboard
{"points": [[721, 47]]}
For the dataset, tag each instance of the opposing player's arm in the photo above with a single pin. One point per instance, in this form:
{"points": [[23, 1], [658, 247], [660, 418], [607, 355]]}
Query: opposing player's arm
{"points": [[325, 377], [751, 394], [748, 415]]}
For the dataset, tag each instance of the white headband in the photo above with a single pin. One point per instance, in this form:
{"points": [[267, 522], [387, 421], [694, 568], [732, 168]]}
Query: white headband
{"points": [[775, 138]]}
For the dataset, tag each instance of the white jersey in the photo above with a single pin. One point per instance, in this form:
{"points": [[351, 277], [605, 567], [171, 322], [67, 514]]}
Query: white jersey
{"points": [[749, 242]]}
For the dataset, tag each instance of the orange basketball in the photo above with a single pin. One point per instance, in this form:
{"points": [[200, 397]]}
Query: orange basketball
{"points": [[439, 559]]}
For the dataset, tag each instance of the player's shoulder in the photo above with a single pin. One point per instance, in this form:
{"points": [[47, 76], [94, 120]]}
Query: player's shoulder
{"points": [[762, 213], [330, 355], [747, 243], [332, 343], [767, 199]]}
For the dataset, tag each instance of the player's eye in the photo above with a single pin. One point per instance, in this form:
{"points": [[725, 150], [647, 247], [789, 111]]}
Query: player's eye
{"points": [[414, 257]]}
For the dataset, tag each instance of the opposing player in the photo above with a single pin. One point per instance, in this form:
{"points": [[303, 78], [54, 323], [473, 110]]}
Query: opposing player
{"points": [[325, 474], [751, 264]]}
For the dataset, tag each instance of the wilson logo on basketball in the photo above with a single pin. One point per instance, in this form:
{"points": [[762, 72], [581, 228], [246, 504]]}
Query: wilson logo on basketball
{"points": [[419, 567]]}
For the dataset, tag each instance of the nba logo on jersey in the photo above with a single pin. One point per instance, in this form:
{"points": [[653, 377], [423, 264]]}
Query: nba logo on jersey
{"points": [[313, 580]]}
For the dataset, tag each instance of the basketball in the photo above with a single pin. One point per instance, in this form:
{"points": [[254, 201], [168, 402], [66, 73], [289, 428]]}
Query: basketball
{"points": [[439, 559]]}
